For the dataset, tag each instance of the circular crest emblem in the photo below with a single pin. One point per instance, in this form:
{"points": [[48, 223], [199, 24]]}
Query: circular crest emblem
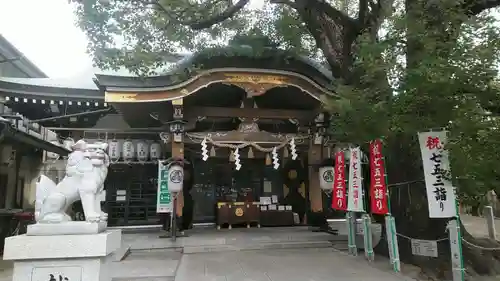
{"points": [[238, 212], [328, 176], [176, 176]]}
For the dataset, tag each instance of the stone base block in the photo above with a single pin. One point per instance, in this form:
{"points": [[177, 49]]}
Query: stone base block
{"points": [[62, 257], [66, 228]]}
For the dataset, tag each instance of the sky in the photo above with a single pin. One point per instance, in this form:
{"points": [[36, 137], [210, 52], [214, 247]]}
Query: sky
{"points": [[45, 32]]}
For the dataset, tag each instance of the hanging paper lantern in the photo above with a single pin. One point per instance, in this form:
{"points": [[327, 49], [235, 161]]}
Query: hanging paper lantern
{"points": [[326, 177], [68, 143], [142, 151], [155, 151], [114, 150], [128, 150], [52, 155]]}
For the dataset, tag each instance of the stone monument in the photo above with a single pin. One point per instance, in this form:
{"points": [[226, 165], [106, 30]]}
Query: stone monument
{"points": [[56, 248]]}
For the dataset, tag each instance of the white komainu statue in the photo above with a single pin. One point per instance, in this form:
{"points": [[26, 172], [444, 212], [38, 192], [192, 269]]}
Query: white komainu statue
{"points": [[86, 171]]}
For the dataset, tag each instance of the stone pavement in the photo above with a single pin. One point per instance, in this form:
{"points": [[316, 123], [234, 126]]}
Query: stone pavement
{"points": [[284, 254], [211, 238], [477, 225], [280, 265], [5, 270]]}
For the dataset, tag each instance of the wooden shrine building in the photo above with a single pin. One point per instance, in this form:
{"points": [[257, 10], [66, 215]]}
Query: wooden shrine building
{"points": [[239, 119]]}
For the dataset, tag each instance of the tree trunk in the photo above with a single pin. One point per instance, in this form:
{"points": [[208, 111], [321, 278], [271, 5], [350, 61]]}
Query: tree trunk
{"points": [[410, 209]]}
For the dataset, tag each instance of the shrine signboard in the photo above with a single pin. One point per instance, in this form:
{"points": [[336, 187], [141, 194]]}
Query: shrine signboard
{"points": [[355, 193], [440, 192], [164, 198]]}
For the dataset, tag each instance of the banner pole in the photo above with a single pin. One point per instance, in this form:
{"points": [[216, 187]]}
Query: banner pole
{"points": [[390, 224], [366, 219]]}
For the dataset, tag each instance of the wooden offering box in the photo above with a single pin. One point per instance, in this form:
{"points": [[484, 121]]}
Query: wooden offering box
{"points": [[232, 213]]}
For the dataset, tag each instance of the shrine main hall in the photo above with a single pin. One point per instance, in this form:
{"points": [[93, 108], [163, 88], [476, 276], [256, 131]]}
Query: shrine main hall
{"points": [[251, 128]]}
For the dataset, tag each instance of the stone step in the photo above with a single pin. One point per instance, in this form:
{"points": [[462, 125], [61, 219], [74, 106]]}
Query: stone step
{"points": [[255, 246]]}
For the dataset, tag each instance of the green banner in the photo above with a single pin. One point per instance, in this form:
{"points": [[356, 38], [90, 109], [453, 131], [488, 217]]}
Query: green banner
{"points": [[164, 199]]}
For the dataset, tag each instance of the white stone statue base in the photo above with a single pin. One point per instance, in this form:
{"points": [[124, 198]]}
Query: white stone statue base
{"points": [[62, 257], [66, 228]]}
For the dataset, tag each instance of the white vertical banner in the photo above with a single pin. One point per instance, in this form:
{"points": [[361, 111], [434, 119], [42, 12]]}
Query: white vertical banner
{"points": [[440, 192], [355, 193]]}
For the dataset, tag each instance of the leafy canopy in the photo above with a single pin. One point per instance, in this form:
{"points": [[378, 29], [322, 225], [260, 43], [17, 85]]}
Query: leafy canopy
{"points": [[404, 69], [144, 35]]}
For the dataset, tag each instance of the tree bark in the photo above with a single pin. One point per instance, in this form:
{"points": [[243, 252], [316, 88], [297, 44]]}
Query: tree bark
{"points": [[410, 209]]}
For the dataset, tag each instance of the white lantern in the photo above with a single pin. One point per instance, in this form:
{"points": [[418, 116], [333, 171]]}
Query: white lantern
{"points": [[68, 143], [114, 150], [142, 151], [175, 178], [326, 175], [155, 151], [128, 150], [52, 155]]}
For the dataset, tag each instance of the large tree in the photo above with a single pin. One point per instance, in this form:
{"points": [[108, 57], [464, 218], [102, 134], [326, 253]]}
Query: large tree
{"points": [[400, 67]]}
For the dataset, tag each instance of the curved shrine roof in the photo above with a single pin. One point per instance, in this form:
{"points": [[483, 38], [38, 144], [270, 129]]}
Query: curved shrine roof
{"points": [[88, 88], [221, 58]]}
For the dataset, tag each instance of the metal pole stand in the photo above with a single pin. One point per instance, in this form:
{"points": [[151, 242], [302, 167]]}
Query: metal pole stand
{"points": [[457, 262], [367, 237], [351, 233], [392, 241], [174, 232]]}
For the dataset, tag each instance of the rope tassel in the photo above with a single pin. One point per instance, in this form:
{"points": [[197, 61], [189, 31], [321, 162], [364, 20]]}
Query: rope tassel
{"points": [[268, 159], [250, 153]]}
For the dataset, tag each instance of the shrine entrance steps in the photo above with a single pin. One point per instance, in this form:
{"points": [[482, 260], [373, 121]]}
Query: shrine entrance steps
{"points": [[202, 240]]}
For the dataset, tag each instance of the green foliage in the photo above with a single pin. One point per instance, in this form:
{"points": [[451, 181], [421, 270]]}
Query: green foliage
{"points": [[432, 68], [142, 36], [442, 76]]}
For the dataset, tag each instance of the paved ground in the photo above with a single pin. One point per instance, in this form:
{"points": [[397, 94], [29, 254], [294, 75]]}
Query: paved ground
{"points": [[230, 255], [210, 237], [5, 270], [280, 265], [477, 226]]}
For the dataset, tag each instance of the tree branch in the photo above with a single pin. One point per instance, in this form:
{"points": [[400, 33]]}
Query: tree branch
{"points": [[230, 11], [474, 7], [284, 2], [336, 14]]}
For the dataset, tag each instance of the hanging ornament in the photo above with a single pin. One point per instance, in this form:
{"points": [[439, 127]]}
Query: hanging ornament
{"points": [[128, 150], [231, 156], [142, 151], [268, 159], [212, 152], [276, 164], [204, 151], [114, 150], [285, 152], [155, 151], [250, 153], [237, 159], [293, 149]]}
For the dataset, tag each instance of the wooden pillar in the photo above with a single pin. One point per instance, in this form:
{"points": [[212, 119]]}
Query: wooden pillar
{"points": [[177, 142], [315, 195]]}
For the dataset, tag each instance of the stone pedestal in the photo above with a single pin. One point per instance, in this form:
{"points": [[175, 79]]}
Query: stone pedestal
{"points": [[62, 257]]}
